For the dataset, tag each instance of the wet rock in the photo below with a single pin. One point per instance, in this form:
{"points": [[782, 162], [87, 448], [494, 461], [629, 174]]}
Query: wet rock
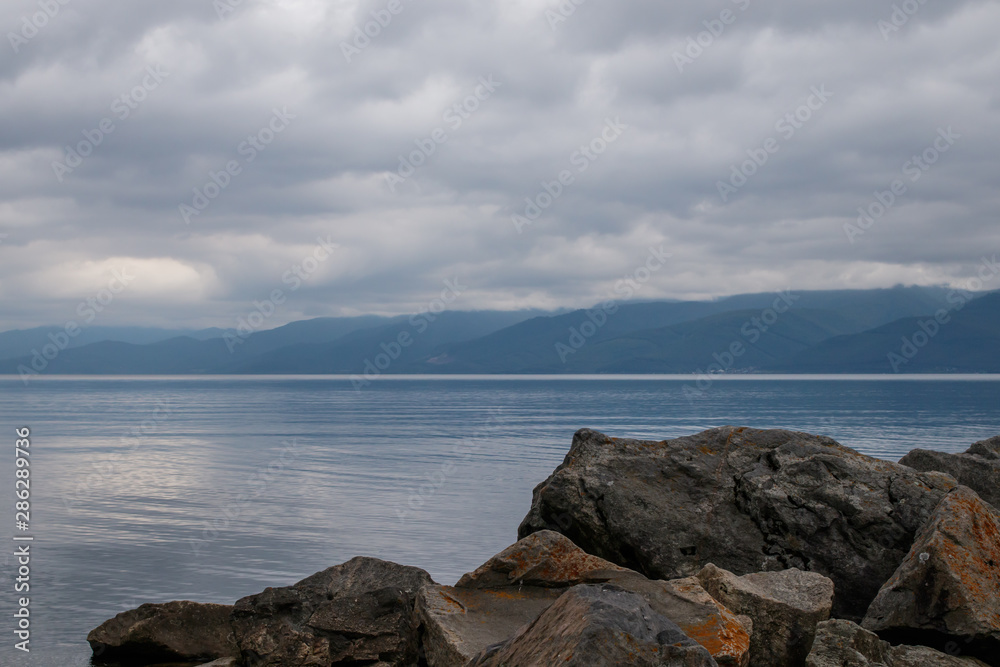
{"points": [[747, 500], [174, 631], [946, 593], [785, 608], [358, 612], [841, 643], [978, 468], [597, 626]]}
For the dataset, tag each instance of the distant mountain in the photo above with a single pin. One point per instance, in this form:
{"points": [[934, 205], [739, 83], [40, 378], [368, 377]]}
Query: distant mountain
{"points": [[816, 332], [310, 346], [969, 342], [530, 347], [20, 342]]}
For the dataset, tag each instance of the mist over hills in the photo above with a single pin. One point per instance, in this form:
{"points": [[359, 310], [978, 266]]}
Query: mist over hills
{"points": [[842, 331]]}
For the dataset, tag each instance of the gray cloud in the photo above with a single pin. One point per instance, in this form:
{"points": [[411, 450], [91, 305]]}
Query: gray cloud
{"points": [[324, 175]]}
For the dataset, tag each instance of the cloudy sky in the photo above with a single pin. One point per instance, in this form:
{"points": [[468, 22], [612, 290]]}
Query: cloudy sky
{"points": [[202, 149]]}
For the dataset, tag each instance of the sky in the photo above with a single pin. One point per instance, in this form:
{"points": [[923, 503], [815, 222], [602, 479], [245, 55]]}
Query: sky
{"points": [[187, 163]]}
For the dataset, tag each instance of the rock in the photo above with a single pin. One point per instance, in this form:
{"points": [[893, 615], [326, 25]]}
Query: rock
{"points": [[747, 500], [514, 583], [457, 623], [978, 468], [545, 559], [597, 626], [785, 608], [987, 449], [358, 612], [841, 643], [221, 662], [947, 590], [510, 590], [174, 631], [700, 616]]}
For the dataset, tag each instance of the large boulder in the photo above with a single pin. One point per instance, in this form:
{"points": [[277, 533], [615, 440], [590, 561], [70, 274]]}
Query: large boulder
{"points": [[841, 643], [978, 468], [785, 608], [947, 590], [175, 631], [747, 500], [457, 623], [358, 612], [597, 626], [515, 586]]}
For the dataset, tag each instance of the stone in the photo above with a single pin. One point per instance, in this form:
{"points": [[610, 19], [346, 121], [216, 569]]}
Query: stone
{"points": [[457, 623], [546, 559], [978, 468], [747, 500], [597, 625], [358, 612], [508, 591], [174, 631], [785, 608], [947, 590], [222, 662], [841, 643]]}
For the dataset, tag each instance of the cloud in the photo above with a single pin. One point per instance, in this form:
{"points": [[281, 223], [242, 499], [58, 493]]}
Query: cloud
{"points": [[324, 175]]}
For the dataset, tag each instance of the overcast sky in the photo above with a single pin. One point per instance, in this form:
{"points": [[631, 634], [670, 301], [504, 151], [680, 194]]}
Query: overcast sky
{"points": [[666, 97]]}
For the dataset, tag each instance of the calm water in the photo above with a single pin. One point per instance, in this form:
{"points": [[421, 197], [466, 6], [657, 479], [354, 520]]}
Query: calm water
{"points": [[210, 489]]}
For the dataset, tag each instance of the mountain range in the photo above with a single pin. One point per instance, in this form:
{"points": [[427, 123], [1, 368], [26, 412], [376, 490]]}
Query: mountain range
{"points": [[903, 329]]}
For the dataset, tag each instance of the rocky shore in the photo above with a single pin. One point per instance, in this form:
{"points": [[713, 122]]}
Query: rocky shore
{"points": [[733, 547]]}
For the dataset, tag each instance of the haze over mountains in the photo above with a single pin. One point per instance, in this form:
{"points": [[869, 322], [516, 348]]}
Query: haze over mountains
{"points": [[904, 329]]}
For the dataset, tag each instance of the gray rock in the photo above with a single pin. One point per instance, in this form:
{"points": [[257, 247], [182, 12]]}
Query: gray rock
{"points": [[987, 449], [841, 643], [174, 631], [785, 608], [457, 623], [597, 626], [508, 591], [221, 662], [546, 560], [947, 590], [747, 500], [358, 612], [978, 468]]}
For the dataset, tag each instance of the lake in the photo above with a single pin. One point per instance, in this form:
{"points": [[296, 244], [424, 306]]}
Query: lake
{"points": [[211, 488]]}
